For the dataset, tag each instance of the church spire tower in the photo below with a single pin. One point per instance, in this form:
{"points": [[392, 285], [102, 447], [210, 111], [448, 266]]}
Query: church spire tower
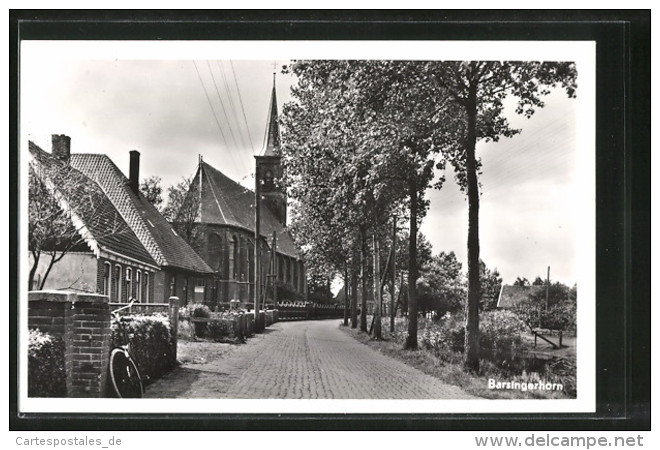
{"points": [[269, 164], [272, 139]]}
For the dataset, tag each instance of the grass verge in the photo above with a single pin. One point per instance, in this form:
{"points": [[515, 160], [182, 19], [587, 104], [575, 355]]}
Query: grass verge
{"points": [[449, 372]]}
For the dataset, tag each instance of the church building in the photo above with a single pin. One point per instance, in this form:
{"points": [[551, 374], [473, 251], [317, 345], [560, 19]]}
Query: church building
{"points": [[226, 221]]}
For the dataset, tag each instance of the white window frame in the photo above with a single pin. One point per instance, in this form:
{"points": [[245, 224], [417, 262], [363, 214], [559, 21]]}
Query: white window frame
{"points": [[128, 273], [119, 284], [107, 279], [138, 285], [146, 291]]}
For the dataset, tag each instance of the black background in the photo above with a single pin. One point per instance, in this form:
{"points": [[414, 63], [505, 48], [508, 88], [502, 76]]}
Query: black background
{"points": [[623, 42]]}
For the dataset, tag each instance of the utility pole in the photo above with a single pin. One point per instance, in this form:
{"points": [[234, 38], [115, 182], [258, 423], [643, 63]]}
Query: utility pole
{"points": [[257, 232], [274, 256], [547, 289]]}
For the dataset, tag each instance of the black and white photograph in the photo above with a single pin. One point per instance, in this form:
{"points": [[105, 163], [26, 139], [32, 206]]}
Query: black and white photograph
{"points": [[318, 227]]}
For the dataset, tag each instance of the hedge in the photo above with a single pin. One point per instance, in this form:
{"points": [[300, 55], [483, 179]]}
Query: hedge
{"points": [[46, 373], [152, 346]]}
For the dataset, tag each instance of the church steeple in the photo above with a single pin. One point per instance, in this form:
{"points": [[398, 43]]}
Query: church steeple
{"points": [[269, 165], [272, 138]]}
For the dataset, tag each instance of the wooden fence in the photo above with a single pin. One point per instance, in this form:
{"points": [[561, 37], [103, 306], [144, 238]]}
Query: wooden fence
{"points": [[308, 311]]}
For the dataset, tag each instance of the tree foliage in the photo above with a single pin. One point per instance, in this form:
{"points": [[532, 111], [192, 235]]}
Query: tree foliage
{"points": [[560, 313], [152, 190], [182, 211], [442, 285], [361, 142], [490, 286]]}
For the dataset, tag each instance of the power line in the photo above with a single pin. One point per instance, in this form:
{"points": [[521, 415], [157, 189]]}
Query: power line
{"points": [[232, 106], [222, 104], [215, 116], [241, 103]]}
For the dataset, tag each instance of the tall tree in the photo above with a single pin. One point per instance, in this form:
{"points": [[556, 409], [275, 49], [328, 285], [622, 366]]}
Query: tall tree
{"points": [[325, 217], [338, 172], [476, 91], [405, 117]]}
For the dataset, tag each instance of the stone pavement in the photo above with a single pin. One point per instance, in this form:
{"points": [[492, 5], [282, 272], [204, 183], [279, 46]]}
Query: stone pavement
{"points": [[302, 360]]}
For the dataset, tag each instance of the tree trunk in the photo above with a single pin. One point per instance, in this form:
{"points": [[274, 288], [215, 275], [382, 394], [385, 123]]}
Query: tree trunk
{"points": [[365, 286], [346, 308], [33, 270], [411, 341], [377, 292], [354, 290], [393, 287], [471, 357], [53, 260]]}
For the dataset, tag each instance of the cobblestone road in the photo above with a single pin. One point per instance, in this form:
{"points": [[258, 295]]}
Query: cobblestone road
{"points": [[302, 360]]}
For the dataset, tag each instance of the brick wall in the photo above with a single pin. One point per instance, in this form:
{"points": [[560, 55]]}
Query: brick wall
{"points": [[83, 322]]}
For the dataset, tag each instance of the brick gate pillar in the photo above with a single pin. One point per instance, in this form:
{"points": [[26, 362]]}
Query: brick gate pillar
{"points": [[82, 321]]}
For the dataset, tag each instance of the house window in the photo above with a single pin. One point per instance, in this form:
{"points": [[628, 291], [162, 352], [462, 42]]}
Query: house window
{"points": [[138, 286], [116, 294], [145, 288], [106, 279], [129, 284]]}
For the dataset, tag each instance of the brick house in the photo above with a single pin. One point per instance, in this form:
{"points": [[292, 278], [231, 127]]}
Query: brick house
{"points": [[227, 220], [130, 250]]}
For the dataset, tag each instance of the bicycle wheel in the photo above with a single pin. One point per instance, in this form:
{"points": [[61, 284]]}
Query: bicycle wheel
{"points": [[124, 375]]}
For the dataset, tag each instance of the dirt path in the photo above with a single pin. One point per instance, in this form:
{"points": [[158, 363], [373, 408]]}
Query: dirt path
{"points": [[301, 360]]}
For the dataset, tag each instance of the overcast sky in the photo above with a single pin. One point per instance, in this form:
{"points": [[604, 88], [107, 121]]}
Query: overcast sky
{"points": [[164, 110]]}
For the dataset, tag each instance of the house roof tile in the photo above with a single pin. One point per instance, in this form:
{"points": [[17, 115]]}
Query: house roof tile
{"points": [[165, 246], [87, 200]]}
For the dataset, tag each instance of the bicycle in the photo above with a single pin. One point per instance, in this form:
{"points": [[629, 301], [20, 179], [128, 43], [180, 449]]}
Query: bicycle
{"points": [[123, 371]]}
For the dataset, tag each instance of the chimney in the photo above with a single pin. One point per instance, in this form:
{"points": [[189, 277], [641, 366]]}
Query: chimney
{"points": [[134, 175], [61, 147]]}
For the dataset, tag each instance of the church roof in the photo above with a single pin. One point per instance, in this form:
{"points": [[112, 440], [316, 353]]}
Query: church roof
{"points": [[165, 246], [226, 202]]}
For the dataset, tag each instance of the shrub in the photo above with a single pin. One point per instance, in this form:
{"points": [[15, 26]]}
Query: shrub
{"points": [[152, 347], [561, 370], [46, 373], [500, 338], [185, 331], [198, 311], [220, 328]]}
